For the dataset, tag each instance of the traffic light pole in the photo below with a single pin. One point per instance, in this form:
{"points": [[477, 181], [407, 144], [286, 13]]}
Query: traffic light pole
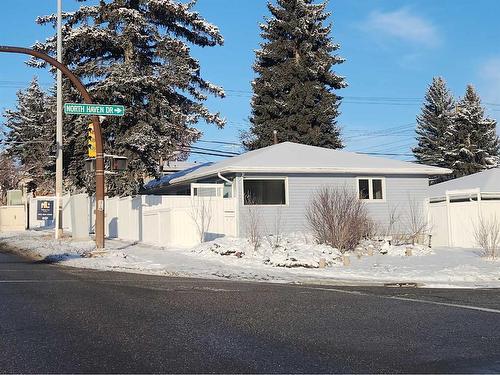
{"points": [[99, 170]]}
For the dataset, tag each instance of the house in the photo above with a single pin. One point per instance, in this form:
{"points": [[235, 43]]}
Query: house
{"points": [[170, 167], [279, 181], [458, 206]]}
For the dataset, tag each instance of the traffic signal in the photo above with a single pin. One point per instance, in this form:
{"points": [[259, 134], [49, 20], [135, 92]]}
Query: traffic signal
{"points": [[119, 163], [112, 163]]}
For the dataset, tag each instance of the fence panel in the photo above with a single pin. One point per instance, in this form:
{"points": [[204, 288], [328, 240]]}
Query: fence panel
{"points": [[454, 223], [12, 218], [438, 213]]}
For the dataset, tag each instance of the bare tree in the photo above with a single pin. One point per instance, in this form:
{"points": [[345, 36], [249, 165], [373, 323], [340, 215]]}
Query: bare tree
{"points": [[201, 213], [487, 235], [394, 217], [274, 235], [10, 176], [337, 217], [417, 225], [253, 224]]}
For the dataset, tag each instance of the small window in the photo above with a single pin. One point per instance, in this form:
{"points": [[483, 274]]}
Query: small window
{"points": [[228, 190], [264, 192], [371, 188], [364, 191], [206, 190], [377, 189]]}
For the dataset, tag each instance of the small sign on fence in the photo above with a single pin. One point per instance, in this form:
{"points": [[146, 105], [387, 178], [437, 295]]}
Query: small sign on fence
{"points": [[45, 209]]}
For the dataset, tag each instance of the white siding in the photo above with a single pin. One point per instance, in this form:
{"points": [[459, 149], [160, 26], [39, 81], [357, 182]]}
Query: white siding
{"points": [[400, 191]]}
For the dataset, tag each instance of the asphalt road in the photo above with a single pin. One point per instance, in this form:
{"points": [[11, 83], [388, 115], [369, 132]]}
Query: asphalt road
{"points": [[64, 320]]}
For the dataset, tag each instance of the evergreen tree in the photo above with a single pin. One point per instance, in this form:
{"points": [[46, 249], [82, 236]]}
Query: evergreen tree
{"points": [[475, 144], [434, 125], [31, 135], [294, 88], [136, 53]]}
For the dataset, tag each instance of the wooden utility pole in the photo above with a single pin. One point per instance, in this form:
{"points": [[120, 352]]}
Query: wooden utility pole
{"points": [[99, 160]]}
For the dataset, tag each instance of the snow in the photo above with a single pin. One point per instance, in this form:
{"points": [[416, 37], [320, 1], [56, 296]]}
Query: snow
{"points": [[291, 259]]}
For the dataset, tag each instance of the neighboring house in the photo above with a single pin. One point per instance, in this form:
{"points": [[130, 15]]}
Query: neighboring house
{"points": [[282, 179], [170, 167], [457, 206], [173, 166]]}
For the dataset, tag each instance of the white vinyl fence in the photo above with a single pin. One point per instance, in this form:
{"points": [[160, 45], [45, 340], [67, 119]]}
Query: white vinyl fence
{"points": [[12, 218], [153, 219], [455, 217]]}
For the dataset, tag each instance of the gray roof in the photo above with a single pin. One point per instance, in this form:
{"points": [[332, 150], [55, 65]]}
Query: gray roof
{"points": [[486, 181], [165, 180], [289, 157], [174, 166]]}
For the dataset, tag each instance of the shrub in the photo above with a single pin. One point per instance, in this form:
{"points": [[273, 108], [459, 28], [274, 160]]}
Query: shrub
{"points": [[253, 224], [487, 235], [337, 217]]}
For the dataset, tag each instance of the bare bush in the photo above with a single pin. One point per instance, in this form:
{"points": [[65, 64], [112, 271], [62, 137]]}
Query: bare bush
{"points": [[337, 217], [10, 176], [253, 224], [394, 218], [201, 213], [274, 236], [487, 235], [417, 225]]}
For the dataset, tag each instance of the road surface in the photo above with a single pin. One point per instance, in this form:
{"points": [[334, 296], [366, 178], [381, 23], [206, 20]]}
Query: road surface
{"points": [[67, 320]]}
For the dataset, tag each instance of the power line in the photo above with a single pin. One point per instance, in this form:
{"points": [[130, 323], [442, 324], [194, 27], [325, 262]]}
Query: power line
{"points": [[206, 153], [220, 142], [211, 150]]}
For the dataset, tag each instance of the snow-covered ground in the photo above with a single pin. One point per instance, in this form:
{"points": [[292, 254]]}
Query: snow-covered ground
{"points": [[293, 259]]}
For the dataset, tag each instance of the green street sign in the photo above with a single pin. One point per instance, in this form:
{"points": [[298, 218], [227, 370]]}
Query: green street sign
{"points": [[94, 109]]}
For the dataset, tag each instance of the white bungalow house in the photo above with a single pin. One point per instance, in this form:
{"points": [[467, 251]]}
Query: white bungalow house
{"points": [[282, 179]]}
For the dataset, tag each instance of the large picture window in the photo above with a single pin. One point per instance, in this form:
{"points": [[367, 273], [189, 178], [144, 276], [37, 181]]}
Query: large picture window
{"points": [[371, 188], [264, 191]]}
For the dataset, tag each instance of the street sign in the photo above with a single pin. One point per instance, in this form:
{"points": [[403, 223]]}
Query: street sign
{"points": [[94, 109], [45, 210]]}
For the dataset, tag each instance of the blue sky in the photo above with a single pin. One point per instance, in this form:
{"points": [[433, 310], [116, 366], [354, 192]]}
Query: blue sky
{"points": [[392, 50]]}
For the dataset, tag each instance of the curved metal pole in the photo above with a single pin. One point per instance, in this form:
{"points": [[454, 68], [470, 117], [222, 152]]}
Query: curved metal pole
{"points": [[99, 170]]}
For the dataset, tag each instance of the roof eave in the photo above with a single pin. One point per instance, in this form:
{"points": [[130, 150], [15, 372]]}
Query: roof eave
{"points": [[429, 171]]}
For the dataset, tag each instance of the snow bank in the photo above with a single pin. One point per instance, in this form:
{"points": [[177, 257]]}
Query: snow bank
{"points": [[300, 250], [294, 259], [290, 251]]}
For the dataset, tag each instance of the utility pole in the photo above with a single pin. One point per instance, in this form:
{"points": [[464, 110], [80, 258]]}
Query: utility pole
{"points": [[59, 127]]}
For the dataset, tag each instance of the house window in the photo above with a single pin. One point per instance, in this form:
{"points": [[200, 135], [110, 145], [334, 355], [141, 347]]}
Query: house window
{"points": [[364, 190], [206, 190], [264, 191], [228, 190], [371, 188], [377, 189]]}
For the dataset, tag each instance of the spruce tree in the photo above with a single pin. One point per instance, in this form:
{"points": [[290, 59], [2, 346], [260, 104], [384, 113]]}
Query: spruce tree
{"points": [[31, 135], [434, 125], [294, 88], [136, 53], [475, 144]]}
